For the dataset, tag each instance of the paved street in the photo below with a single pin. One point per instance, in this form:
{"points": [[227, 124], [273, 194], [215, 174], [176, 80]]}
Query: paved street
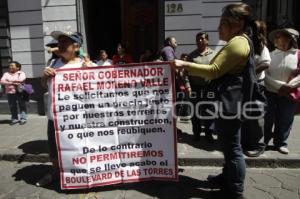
{"points": [[25, 147], [18, 182]]}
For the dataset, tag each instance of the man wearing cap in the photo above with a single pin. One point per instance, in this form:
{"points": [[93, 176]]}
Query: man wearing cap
{"points": [[52, 47], [68, 49], [279, 84]]}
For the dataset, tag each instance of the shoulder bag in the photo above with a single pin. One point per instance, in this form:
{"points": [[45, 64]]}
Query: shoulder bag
{"points": [[295, 94]]}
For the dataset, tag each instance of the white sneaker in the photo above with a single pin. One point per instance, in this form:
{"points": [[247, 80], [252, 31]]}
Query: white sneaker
{"points": [[283, 150], [184, 119]]}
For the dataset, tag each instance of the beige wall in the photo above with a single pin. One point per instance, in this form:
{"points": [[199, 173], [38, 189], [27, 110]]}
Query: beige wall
{"points": [[31, 22], [5, 51], [58, 15], [25, 20], [196, 16]]}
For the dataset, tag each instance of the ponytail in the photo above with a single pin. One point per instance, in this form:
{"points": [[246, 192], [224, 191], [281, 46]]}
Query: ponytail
{"points": [[258, 34]]}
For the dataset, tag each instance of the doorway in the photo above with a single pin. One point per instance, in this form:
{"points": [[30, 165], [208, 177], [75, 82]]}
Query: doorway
{"points": [[140, 26], [134, 23], [103, 26]]}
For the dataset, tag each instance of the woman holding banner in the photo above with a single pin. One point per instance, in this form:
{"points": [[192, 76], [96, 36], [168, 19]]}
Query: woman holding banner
{"points": [[227, 68], [69, 44]]}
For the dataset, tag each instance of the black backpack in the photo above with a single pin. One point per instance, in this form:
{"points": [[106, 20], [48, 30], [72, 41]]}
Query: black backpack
{"points": [[241, 94], [253, 93]]}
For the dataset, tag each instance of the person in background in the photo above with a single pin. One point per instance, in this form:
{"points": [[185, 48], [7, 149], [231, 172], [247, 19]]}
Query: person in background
{"points": [[87, 61], [121, 57], [69, 44], [200, 88], [81, 52], [52, 47], [182, 96], [253, 129], [279, 84], [184, 57], [227, 69], [12, 80], [103, 59], [167, 53], [147, 56]]}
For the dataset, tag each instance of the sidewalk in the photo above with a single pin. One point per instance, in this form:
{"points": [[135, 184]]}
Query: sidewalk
{"points": [[29, 143]]}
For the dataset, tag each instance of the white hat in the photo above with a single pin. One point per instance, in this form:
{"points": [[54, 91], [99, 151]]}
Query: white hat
{"points": [[294, 34]]}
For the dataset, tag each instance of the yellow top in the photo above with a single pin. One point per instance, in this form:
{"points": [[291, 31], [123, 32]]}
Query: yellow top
{"points": [[231, 59]]}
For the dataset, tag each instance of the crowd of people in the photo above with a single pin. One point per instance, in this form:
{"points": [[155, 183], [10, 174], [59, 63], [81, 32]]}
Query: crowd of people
{"points": [[222, 77], [202, 75], [277, 74]]}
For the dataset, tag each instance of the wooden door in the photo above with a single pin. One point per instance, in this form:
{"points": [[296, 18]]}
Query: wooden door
{"points": [[139, 26]]}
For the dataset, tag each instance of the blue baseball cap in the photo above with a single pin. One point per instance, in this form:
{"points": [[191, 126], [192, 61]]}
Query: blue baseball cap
{"points": [[75, 36]]}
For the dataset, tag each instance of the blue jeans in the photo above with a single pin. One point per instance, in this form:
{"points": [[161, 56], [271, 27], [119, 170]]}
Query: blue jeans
{"points": [[229, 134], [15, 100], [280, 114]]}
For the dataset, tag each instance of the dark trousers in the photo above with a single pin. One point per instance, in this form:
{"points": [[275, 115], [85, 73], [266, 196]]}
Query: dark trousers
{"points": [[53, 153], [183, 109], [234, 169], [200, 94], [15, 100], [280, 114], [253, 134]]}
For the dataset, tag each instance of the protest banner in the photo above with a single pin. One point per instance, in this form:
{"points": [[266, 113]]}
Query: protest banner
{"points": [[115, 124]]}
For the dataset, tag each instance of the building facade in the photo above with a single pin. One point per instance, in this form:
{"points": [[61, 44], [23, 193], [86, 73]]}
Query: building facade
{"points": [[25, 26]]}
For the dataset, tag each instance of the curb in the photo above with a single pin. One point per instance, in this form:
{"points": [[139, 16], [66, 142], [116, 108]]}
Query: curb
{"points": [[250, 162]]}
